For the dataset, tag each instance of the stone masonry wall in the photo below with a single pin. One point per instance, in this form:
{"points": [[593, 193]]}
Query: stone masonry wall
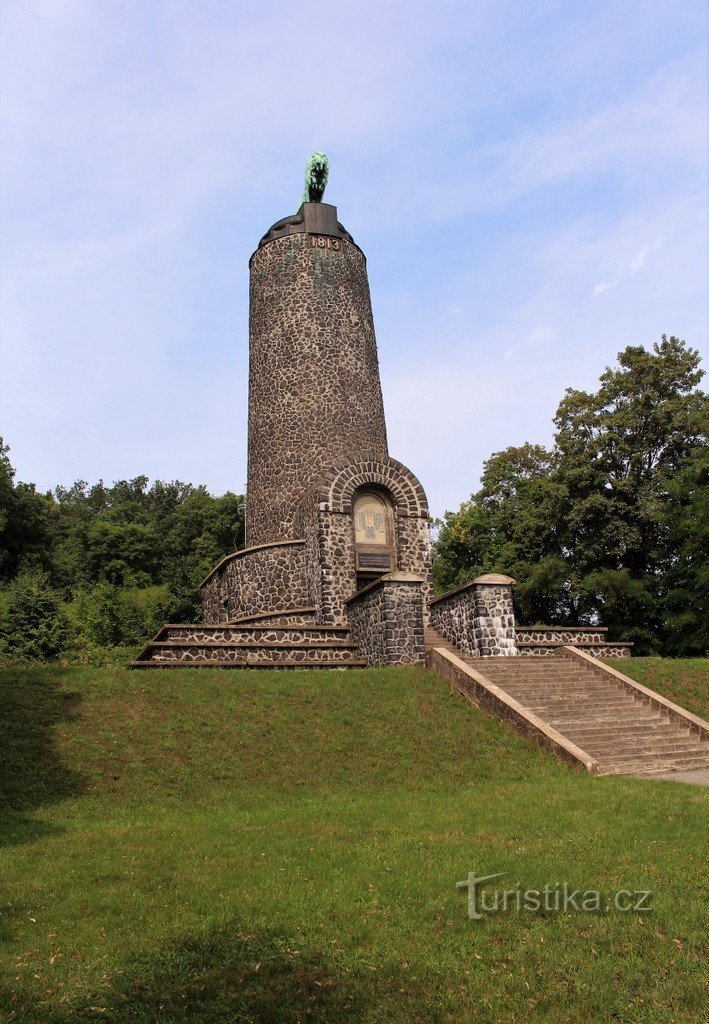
{"points": [[607, 650], [386, 620], [314, 389], [562, 634], [325, 520], [269, 578], [478, 618], [452, 615]]}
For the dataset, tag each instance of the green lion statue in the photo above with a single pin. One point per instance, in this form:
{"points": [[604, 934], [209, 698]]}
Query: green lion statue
{"points": [[316, 170]]}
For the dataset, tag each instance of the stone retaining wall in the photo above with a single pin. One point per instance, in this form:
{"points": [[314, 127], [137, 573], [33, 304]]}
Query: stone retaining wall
{"points": [[252, 656], [563, 634], [386, 620], [551, 650], [246, 635], [268, 578]]}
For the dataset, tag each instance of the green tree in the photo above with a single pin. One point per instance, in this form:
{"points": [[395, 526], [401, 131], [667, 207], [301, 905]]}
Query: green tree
{"points": [[610, 525], [32, 624], [25, 522]]}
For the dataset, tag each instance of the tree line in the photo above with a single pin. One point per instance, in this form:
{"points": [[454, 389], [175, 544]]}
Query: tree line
{"points": [[99, 566], [609, 525]]}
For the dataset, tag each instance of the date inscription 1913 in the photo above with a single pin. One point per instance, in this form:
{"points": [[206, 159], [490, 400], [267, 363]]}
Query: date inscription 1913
{"points": [[325, 242]]}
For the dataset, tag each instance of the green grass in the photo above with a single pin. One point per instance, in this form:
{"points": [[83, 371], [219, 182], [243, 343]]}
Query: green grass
{"points": [[682, 680], [284, 847]]}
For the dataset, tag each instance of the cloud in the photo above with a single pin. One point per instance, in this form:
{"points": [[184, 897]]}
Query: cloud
{"points": [[634, 266], [638, 261], [535, 339]]}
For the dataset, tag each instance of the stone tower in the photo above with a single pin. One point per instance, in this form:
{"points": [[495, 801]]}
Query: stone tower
{"points": [[314, 390], [329, 513]]}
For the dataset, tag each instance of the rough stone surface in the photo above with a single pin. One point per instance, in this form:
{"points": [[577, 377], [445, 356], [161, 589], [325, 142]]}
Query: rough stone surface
{"points": [[314, 389], [477, 618], [251, 634], [265, 579], [317, 436], [325, 518], [386, 621], [551, 649], [199, 653], [562, 634]]}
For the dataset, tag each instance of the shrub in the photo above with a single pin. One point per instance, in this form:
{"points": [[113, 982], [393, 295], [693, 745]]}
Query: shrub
{"points": [[32, 623]]}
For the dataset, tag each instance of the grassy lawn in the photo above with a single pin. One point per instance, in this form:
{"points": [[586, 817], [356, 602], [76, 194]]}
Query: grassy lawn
{"points": [[284, 847], [682, 680]]}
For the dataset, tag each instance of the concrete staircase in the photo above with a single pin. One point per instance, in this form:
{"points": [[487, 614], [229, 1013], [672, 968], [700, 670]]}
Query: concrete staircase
{"points": [[620, 730], [287, 639]]}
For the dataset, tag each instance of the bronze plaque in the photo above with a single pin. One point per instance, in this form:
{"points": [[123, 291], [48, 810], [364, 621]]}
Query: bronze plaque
{"points": [[372, 560]]}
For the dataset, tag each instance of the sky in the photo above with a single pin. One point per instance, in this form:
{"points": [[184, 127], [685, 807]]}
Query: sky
{"points": [[528, 181]]}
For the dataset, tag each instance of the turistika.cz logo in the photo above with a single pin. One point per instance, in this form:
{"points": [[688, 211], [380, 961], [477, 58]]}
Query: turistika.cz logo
{"points": [[554, 898]]}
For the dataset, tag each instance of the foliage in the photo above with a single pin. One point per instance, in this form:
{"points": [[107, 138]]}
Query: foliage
{"points": [[611, 525], [32, 624], [123, 558], [25, 522]]}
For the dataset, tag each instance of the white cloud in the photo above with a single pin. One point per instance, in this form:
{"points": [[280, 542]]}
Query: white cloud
{"points": [[536, 338], [638, 261]]}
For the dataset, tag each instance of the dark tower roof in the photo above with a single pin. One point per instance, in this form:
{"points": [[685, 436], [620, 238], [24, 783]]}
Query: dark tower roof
{"points": [[311, 219]]}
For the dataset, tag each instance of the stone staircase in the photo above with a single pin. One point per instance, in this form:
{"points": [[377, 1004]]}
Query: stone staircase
{"points": [[624, 732], [287, 639]]}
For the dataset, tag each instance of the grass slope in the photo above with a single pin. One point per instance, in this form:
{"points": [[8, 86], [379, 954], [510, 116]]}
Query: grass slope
{"points": [[682, 680], [284, 847]]}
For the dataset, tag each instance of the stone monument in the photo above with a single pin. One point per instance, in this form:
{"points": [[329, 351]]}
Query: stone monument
{"points": [[336, 570], [329, 513]]}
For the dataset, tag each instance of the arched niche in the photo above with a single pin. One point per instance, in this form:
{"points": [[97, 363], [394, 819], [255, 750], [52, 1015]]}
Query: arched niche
{"points": [[374, 535]]}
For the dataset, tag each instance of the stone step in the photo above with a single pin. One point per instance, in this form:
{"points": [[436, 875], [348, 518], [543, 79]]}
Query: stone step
{"points": [[250, 654], [582, 705], [625, 747], [552, 668], [537, 678], [576, 727], [252, 637], [257, 644], [654, 721], [651, 763], [639, 728], [249, 664], [250, 634], [572, 692]]}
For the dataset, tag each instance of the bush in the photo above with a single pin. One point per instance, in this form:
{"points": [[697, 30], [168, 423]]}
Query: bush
{"points": [[109, 617], [32, 623]]}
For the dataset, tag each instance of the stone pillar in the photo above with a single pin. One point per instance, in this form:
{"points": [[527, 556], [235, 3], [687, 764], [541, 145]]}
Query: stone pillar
{"points": [[478, 618], [386, 620], [493, 621]]}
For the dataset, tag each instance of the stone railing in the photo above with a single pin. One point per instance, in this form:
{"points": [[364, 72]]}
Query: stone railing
{"points": [[562, 634], [478, 618], [546, 641], [386, 620], [265, 578]]}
